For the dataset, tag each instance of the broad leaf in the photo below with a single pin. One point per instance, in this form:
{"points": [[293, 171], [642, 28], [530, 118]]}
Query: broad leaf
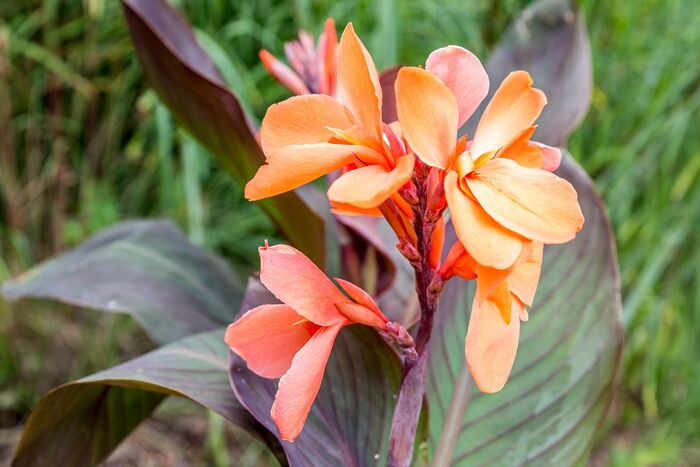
{"points": [[549, 40], [562, 381], [350, 420], [187, 81], [79, 423], [146, 268]]}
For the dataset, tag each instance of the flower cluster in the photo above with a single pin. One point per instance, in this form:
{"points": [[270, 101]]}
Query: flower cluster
{"points": [[293, 340], [496, 189]]}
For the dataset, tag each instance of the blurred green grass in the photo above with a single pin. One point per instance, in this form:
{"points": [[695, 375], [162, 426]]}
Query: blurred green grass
{"points": [[84, 143]]}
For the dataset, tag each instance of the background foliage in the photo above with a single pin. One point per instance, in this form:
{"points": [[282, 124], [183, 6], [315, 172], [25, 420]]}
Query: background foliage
{"points": [[83, 143]]}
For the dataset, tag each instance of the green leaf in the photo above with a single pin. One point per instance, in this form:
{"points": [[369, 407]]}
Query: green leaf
{"points": [[562, 381], [350, 420], [148, 269], [79, 423], [189, 84]]}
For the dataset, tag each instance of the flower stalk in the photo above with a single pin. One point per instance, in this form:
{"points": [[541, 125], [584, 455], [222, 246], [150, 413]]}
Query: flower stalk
{"points": [[427, 213]]}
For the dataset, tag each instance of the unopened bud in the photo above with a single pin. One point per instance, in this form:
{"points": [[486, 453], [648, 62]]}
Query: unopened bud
{"points": [[400, 334], [436, 284], [408, 250], [410, 194], [435, 193]]}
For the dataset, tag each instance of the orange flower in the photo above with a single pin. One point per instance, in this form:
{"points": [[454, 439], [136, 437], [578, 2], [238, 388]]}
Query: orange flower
{"points": [[498, 307], [308, 136], [314, 68], [293, 340], [503, 199], [499, 196]]}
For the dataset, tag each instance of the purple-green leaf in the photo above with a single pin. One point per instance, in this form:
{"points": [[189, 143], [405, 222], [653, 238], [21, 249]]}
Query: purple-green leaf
{"points": [[79, 423], [386, 80], [350, 419], [549, 40], [187, 81], [563, 378], [148, 269]]}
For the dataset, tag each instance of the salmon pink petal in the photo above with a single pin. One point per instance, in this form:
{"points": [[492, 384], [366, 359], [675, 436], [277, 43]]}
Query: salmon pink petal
{"points": [[299, 386], [360, 314], [524, 278], [368, 187], [428, 115], [267, 338], [358, 82], [296, 165], [551, 156], [531, 202], [491, 345], [302, 120], [358, 295], [463, 73], [515, 106], [283, 73], [295, 280], [484, 239]]}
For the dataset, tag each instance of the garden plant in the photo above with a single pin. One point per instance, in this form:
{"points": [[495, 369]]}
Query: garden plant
{"points": [[448, 290]]}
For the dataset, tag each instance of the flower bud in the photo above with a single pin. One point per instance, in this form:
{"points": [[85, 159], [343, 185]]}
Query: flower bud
{"points": [[435, 193], [409, 251]]}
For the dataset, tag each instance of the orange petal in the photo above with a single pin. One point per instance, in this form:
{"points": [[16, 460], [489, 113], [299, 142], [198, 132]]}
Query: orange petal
{"points": [[283, 73], [267, 338], [514, 107], [521, 151], [296, 165], [302, 120], [299, 283], [428, 115], [358, 82], [368, 187], [360, 296], [485, 240], [458, 262], [491, 345], [532, 202], [489, 279], [344, 209], [524, 278], [299, 386], [437, 242], [488, 283], [463, 73], [522, 311], [327, 51]]}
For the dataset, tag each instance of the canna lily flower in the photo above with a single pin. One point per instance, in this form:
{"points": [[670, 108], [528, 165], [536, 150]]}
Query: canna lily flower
{"points": [[498, 186], [499, 306], [293, 340], [313, 68], [308, 136]]}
